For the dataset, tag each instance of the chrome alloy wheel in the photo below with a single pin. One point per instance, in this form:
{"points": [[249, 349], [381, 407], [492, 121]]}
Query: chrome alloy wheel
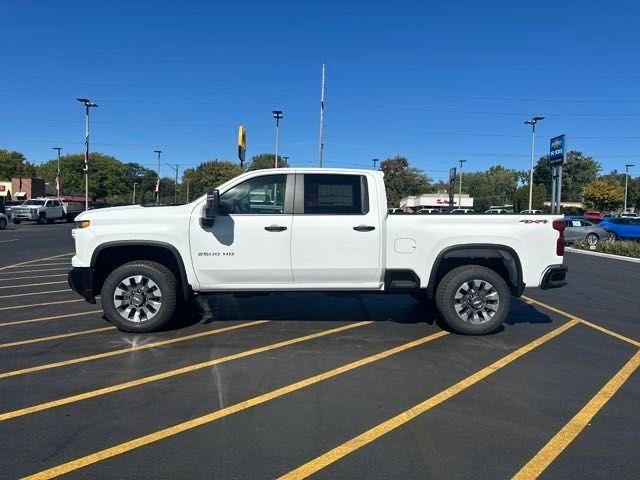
{"points": [[476, 301], [137, 298]]}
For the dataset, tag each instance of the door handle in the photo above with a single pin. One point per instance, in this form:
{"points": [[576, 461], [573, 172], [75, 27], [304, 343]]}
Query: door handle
{"points": [[275, 228], [364, 228]]}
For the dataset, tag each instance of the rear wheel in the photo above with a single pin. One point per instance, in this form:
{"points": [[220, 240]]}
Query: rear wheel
{"points": [[3, 223], [473, 300], [612, 236], [592, 239], [139, 296], [16, 221]]}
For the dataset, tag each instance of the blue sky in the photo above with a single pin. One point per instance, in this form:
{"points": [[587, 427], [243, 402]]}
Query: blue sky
{"points": [[434, 81]]}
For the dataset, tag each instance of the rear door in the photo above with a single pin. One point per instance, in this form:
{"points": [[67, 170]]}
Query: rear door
{"points": [[336, 233]]}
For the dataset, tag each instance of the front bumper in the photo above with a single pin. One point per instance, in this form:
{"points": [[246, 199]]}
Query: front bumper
{"points": [[554, 277], [81, 280]]}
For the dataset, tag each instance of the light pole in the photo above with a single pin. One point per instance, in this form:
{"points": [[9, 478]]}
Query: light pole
{"points": [[175, 168], [460, 193], [277, 114], [133, 201], [532, 122], [285, 160], [87, 105], [58, 174], [158, 152], [626, 182], [375, 161]]}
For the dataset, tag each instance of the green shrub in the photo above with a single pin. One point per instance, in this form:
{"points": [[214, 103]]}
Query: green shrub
{"points": [[626, 248]]}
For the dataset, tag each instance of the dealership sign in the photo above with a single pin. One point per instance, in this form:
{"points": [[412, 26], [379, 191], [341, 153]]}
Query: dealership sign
{"points": [[557, 150]]}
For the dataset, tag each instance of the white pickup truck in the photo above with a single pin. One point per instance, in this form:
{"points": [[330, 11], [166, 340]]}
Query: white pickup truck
{"points": [[296, 229], [45, 210]]}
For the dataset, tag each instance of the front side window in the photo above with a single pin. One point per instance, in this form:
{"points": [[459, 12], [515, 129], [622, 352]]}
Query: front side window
{"points": [[335, 194], [259, 196]]}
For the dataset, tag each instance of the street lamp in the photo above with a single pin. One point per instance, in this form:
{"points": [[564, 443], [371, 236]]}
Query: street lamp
{"points": [[158, 181], [460, 194], [277, 114], [87, 105], [532, 122], [626, 182], [58, 174], [375, 161]]}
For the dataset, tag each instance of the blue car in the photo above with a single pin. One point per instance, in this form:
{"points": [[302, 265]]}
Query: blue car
{"points": [[622, 227]]}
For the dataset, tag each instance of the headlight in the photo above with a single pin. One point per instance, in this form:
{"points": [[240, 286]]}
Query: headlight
{"points": [[83, 224]]}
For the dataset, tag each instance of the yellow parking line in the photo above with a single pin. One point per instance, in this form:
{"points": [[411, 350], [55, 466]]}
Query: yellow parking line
{"points": [[55, 337], [33, 284], [35, 260], [42, 319], [32, 277], [381, 429], [172, 373], [121, 351], [14, 295], [14, 307], [572, 429], [34, 271], [56, 264], [223, 412], [585, 322]]}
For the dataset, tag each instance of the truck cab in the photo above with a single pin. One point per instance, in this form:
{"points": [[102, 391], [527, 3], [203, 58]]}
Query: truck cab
{"points": [[307, 229]]}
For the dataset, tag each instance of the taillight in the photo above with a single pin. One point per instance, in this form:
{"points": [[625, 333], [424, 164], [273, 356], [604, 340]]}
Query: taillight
{"points": [[559, 226]]}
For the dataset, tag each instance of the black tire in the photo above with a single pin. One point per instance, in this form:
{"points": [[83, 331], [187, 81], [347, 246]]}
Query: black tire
{"points": [[16, 221], [42, 219], [594, 238], [50, 221], [612, 236], [454, 281], [161, 276], [3, 223]]}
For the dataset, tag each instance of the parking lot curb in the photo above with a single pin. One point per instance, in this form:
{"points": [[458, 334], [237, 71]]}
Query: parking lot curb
{"points": [[605, 255]]}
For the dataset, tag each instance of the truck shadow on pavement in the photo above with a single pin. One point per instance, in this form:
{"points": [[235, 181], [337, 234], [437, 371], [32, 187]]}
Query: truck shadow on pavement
{"points": [[338, 307]]}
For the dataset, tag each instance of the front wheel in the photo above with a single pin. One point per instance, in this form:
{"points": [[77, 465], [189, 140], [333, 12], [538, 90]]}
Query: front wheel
{"points": [[16, 221], [139, 296], [612, 236], [3, 224], [473, 300]]}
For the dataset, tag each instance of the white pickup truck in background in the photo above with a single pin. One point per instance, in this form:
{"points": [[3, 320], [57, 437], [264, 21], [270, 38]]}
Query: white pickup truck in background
{"points": [[310, 230], [45, 210]]}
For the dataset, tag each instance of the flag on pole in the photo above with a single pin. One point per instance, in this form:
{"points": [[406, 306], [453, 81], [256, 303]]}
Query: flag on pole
{"points": [[58, 184], [158, 185]]}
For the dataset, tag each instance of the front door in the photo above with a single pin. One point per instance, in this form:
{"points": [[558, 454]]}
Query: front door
{"points": [[336, 235], [249, 243]]}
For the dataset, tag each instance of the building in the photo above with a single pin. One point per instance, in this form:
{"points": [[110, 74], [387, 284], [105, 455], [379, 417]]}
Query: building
{"points": [[435, 200], [5, 190], [26, 188]]}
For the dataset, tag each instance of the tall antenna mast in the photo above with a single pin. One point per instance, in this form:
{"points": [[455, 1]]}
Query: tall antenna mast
{"points": [[320, 144]]}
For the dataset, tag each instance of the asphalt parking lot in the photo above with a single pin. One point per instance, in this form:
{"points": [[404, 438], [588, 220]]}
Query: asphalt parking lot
{"points": [[330, 386]]}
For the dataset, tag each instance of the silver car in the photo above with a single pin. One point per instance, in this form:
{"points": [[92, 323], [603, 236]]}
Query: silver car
{"points": [[577, 230]]}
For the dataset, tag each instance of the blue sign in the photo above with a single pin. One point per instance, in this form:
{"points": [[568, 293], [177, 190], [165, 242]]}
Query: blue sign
{"points": [[557, 150]]}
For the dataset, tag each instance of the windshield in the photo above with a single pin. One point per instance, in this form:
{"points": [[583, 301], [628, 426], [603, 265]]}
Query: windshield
{"points": [[34, 202]]}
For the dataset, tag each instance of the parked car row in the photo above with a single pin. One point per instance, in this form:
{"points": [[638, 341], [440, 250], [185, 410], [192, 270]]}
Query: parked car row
{"points": [[460, 211]]}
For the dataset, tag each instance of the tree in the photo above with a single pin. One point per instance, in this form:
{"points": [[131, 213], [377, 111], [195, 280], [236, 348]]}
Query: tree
{"points": [[577, 172], [14, 164], [107, 175], [266, 160], [209, 175], [603, 195], [401, 180], [521, 197], [495, 186]]}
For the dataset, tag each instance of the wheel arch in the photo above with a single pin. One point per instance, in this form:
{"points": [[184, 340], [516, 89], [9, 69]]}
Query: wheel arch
{"points": [[500, 258], [108, 256]]}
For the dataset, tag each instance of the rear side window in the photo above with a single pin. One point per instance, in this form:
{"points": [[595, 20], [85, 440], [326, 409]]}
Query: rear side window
{"points": [[335, 194]]}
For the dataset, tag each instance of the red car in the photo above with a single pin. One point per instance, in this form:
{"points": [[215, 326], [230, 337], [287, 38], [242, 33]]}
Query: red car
{"points": [[593, 215]]}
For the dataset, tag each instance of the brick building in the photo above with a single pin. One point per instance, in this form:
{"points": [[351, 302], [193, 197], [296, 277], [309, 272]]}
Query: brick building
{"points": [[30, 187]]}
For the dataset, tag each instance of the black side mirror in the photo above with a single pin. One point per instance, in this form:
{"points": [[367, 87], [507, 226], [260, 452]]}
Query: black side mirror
{"points": [[210, 208]]}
